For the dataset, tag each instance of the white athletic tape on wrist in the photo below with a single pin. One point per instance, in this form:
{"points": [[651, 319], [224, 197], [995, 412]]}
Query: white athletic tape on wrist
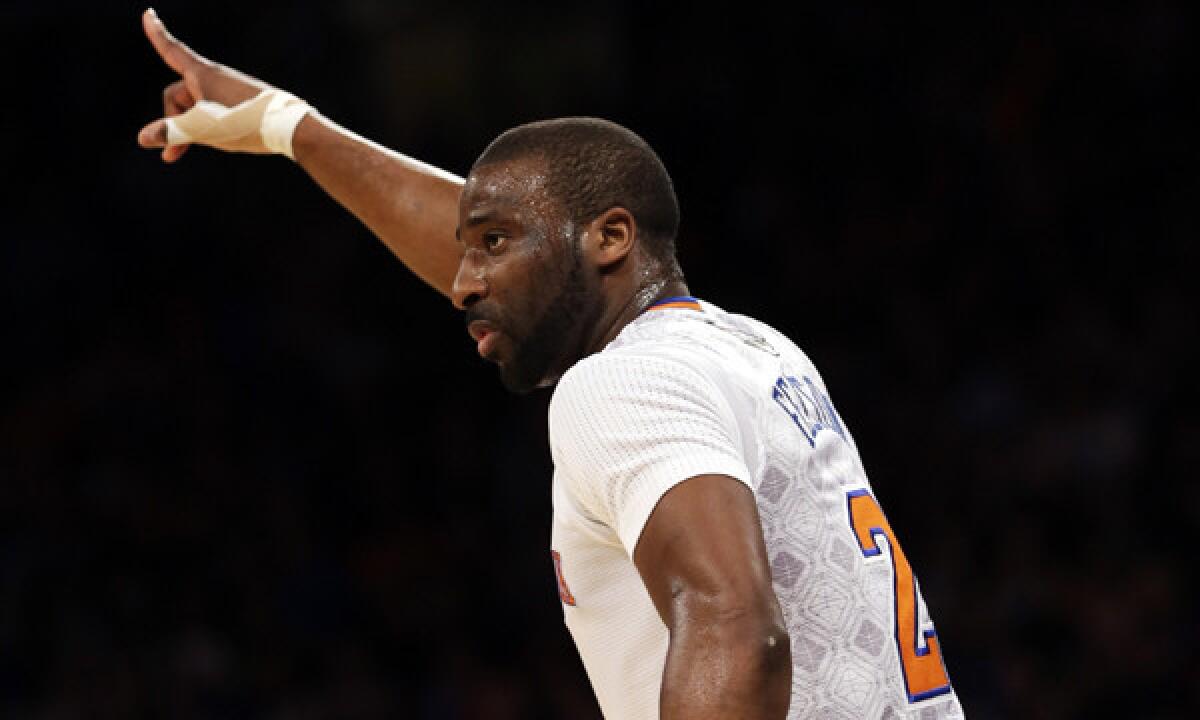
{"points": [[279, 122], [264, 123]]}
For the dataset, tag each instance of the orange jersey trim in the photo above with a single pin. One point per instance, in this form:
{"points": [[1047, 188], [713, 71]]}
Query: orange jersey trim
{"points": [[680, 303]]}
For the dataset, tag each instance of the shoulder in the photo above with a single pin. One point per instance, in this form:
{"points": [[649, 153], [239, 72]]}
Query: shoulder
{"points": [[621, 397], [634, 374]]}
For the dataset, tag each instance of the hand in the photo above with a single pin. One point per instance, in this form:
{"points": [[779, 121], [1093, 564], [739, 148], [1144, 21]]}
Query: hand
{"points": [[201, 79]]}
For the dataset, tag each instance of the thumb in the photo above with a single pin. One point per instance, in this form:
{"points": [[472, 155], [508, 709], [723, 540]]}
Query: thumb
{"points": [[154, 135]]}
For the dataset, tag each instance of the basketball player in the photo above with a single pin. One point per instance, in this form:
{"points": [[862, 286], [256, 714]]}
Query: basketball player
{"points": [[718, 548]]}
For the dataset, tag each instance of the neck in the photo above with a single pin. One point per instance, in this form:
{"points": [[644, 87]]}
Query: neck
{"points": [[633, 303]]}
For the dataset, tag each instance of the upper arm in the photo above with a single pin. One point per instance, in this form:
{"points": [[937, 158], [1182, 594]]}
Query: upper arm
{"points": [[704, 563], [702, 556], [625, 430], [650, 447]]}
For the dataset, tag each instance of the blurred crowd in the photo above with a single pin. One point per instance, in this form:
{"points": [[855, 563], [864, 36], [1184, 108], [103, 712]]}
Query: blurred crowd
{"points": [[250, 467]]}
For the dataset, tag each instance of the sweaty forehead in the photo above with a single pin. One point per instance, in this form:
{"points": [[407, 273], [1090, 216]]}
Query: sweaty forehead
{"points": [[513, 184]]}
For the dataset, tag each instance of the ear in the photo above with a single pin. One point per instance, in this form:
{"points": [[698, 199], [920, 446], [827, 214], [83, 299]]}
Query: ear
{"points": [[610, 237]]}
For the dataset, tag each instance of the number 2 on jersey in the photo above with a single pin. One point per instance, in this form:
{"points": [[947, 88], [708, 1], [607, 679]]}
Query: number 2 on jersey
{"points": [[924, 672]]}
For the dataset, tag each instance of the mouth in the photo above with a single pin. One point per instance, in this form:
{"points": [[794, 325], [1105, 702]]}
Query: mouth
{"points": [[485, 335]]}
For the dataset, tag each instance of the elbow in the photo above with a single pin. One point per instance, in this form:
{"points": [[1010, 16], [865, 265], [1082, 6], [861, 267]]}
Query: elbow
{"points": [[763, 651], [759, 641], [740, 663], [773, 668], [776, 651], [761, 634], [766, 653]]}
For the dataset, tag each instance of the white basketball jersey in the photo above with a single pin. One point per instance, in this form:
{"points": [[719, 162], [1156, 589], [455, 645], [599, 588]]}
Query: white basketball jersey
{"points": [[686, 390]]}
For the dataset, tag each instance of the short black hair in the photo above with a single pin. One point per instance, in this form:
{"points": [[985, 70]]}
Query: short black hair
{"points": [[593, 165]]}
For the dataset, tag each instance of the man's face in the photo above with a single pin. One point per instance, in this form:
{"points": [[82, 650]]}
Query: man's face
{"points": [[522, 282]]}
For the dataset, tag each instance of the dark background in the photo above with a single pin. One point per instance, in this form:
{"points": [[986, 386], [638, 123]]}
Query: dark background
{"points": [[250, 467]]}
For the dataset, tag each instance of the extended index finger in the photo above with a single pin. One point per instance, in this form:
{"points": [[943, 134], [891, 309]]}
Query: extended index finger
{"points": [[176, 55]]}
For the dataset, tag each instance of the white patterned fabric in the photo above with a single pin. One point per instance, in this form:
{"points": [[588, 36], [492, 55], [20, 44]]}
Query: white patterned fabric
{"points": [[682, 393]]}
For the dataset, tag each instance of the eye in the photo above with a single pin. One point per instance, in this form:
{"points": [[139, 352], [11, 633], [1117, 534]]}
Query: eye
{"points": [[494, 241]]}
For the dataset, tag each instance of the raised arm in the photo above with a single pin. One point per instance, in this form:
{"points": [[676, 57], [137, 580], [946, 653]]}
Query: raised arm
{"points": [[411, 206], [703, 560]]}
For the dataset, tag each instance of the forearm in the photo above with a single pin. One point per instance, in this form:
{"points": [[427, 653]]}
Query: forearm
{"points": [[730, 669], [412, 207]]}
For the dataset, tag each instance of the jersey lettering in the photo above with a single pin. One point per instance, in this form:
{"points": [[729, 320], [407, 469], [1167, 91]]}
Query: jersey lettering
{"points": [[808, 407]]}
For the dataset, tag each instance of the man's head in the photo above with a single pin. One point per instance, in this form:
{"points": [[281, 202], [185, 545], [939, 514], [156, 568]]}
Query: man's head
{"points": [[559, 220]]}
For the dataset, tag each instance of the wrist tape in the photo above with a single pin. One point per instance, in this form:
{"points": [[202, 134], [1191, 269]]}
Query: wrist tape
{"points": [[263, 124]]}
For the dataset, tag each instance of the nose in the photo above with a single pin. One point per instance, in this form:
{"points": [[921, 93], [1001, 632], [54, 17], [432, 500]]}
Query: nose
{"points": [[470, 286]]}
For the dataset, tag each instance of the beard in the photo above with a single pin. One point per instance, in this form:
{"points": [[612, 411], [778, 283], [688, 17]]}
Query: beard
{"points": [[538, 358]]}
